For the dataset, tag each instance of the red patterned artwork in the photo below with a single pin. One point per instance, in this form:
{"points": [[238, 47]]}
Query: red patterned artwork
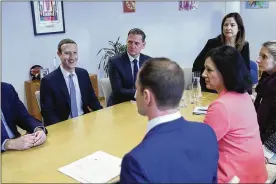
{"points": [[129, 6]]}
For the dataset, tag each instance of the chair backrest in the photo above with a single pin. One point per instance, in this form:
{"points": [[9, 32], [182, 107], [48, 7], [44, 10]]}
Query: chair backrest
{"points": [[106, 87], [37, 96], [254, 72], [188, 76]]}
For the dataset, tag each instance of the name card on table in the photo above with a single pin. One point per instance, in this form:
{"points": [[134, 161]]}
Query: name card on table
{"points": [[200, 110]]}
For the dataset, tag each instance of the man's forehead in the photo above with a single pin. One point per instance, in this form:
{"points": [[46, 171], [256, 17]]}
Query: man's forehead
{"points": [[69, 46], [135, 37]]}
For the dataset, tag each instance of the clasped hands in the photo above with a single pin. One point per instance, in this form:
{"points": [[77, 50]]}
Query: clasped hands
{"points": [[26, 141]]}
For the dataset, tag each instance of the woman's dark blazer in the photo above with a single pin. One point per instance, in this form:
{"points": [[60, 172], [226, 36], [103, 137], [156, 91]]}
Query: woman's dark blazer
{"points": [[213, 43]]}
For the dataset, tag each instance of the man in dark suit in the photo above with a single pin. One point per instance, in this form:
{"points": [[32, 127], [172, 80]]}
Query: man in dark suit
{"points": [[123, 68], [173, 150], [14, 113], [67, 91]]}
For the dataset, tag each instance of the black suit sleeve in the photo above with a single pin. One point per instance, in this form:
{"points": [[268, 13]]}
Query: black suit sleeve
{"points": [[46, 103], [116, 83], [94, 103], [246, 55], [200, 59]]}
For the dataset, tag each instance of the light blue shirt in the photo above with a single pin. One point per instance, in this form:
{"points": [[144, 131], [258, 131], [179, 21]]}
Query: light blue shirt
{"points": [[10, 134], [77, 87], [162, 119]]}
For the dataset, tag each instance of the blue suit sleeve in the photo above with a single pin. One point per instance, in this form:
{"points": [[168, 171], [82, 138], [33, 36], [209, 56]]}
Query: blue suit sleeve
{"points": [[23, 118], [131, 171]]}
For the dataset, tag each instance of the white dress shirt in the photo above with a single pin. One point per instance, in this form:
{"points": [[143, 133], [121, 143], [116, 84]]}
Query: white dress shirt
{"points": [[131, 62], [77, 87], [162, 119]]}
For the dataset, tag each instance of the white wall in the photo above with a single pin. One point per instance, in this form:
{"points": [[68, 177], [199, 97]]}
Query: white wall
{"points": [[170, 33], [178, 35], [260, 25]]}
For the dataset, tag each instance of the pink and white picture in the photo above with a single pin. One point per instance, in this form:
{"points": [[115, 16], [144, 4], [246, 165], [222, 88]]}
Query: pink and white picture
{"points": [[48, 11], [187, 5], [48, 17]]}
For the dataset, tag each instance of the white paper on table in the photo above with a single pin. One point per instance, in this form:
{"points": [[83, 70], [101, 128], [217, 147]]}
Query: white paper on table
{"points": [[199, 110], [99, 167]]}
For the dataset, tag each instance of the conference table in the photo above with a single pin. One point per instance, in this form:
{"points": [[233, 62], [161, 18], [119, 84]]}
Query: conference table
{"points": [[114, 130]]}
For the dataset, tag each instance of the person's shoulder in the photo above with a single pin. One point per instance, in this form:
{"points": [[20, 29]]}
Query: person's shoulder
{"points": [[215, 40], [117, 57], [51, 76], [198, 126], [202, 129], [82, 70], [246, 44], [6, 85], [145, 56]]}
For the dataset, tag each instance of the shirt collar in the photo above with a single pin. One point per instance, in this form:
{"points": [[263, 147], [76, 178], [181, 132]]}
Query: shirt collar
{"points": [[162, 119], [65, 73], [132, 58]]}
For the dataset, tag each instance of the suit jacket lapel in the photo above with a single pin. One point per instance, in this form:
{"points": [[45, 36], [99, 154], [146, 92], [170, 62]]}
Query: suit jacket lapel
{"points": [[61, 81]]}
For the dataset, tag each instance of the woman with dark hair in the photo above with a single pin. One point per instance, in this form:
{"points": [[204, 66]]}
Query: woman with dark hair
{"points": [[233, 117], [265, 102], [233, 34]]}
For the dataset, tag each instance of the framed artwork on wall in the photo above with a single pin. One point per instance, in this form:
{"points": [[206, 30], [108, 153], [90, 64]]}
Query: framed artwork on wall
{"points": [[48, 17], [129, 6], [257, 4]]}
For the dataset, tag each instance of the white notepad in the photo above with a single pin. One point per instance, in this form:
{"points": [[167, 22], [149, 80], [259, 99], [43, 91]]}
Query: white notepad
{"points": [[199, 110], [99, 167]]}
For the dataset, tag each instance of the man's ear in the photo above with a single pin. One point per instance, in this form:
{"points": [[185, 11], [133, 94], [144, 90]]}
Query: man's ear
{"points": [[144, 44], [58, 53], [147, 96]]}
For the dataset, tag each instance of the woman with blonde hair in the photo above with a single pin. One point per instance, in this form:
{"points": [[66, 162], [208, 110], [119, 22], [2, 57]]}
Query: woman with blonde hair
{"points": [[265, 102]]}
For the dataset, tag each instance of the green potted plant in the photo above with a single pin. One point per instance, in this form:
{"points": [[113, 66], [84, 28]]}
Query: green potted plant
{"points": [[115, 49]]}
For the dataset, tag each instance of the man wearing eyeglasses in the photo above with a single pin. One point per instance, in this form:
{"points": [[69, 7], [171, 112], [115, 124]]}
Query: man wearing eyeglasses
{"points": [[123, 68], [67, 91]]}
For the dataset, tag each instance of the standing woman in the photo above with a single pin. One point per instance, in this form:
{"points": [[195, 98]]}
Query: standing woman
{"points": [[265, 102], [233, 34]]}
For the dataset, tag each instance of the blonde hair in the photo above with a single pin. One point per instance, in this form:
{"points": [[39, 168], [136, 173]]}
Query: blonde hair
{"points": [[271, 46]]}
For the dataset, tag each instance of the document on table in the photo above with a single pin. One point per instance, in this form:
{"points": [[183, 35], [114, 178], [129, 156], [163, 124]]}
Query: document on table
{"points": [[199, 110], [99, 167]]}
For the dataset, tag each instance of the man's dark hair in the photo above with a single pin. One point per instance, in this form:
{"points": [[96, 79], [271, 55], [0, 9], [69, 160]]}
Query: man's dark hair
{"points": [[165, 79], [231, 65], [137, 31], [65, 41]]}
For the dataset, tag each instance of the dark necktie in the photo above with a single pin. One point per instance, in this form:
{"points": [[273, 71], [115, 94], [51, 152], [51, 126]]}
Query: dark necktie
{"points": [[135, 70]]}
